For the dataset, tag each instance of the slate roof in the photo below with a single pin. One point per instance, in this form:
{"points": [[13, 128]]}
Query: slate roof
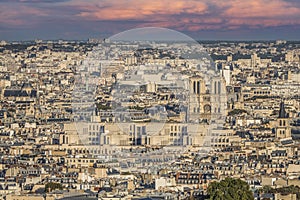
{"points": [[282, 112], [19, 93]]}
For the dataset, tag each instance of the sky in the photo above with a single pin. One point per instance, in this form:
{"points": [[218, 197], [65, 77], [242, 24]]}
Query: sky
{"points": [[199, 19]]}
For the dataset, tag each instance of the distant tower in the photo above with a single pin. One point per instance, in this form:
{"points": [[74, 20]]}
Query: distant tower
{"points": [[197, 99], [283, 129], [254, 60], [218, 97]]}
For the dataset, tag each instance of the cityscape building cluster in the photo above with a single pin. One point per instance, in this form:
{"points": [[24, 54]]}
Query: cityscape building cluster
{"points": [[99, 119]]}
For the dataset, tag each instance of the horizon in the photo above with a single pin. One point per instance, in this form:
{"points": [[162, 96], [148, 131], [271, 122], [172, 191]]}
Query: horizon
{"points": [[198, 40]]}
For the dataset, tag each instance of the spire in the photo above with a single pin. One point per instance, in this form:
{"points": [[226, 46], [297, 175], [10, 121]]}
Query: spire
{"points": [[282, 112]]}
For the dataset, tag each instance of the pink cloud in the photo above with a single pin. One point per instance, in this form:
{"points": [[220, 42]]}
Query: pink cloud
{"points": [[139, 10], [261, 13], [20, 16], [262, 9], [190, 15]]}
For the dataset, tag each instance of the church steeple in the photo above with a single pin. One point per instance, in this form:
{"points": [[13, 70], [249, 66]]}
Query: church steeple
{"points": [[283, 129], [282, 112]]}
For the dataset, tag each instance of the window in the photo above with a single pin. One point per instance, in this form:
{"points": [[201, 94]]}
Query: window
{"points": [[143, 130], [215, 87], [138, 130], [102, 129]]}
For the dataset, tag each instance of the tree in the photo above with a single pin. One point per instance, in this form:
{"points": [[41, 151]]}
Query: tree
{"points": [[229, 189], [266, 189], [237, 112], [284, 190], [53, 186]]}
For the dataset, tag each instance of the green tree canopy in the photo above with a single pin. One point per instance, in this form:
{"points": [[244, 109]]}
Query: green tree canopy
{"points": [[53, 186], [284, 190], [237, 112], [230, 189]]}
